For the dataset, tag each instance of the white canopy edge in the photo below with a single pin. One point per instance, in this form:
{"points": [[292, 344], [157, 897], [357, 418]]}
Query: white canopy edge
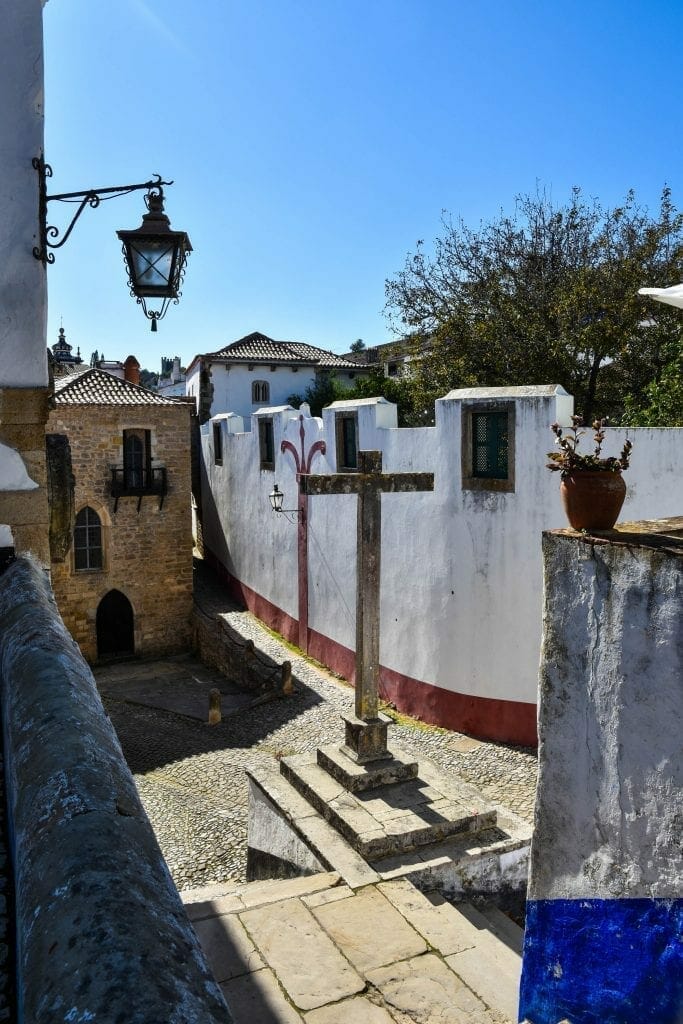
{"points": [[673, 296]]}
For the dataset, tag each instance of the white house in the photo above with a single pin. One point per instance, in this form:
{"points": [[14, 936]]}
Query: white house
{"points": [[257, 371]]}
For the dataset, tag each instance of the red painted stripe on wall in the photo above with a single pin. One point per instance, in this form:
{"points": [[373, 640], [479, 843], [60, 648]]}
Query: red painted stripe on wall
{"points": [[508, 721]]}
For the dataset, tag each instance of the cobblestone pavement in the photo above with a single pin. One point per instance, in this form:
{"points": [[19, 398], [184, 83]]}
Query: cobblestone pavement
{"points": [[191, 779]]}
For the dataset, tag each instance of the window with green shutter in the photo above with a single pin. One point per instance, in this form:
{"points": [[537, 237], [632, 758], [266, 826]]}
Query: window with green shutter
{"points": [[490, 445]]}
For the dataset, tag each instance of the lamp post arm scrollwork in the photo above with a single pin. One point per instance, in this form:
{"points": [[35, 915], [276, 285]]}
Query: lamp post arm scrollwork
{"points": [[89, 197]]}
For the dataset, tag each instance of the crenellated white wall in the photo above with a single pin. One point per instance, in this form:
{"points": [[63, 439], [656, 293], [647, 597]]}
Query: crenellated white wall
{"points": [[461, 574]]}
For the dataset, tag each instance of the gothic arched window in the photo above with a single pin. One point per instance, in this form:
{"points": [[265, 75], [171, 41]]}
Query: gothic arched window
{"points": [[260, 392], [88, 540]]}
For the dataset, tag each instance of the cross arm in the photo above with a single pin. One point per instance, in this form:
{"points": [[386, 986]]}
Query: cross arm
{"points": [[355, 483]]}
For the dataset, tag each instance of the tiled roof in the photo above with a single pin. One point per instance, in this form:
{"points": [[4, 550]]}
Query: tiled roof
{"points": [[258, 348], [97, 387]]}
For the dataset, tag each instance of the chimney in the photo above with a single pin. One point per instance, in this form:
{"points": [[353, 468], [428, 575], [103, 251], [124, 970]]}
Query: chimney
{"points": [[131, 370]]}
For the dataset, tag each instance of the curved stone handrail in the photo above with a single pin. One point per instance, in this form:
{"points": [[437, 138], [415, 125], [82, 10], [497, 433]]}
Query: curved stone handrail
{"points": [[101, 933]]}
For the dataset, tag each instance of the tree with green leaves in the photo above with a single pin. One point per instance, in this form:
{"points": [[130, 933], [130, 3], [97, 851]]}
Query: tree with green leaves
{"points": [[547, 294]]}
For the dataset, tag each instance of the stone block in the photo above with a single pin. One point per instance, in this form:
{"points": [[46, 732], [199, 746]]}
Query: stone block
{"points": [[438, 921], [369, 931], [358, 777], [358, 1010], [309, 967], [320, 899], [227, 947], [427, 991], [366, 740], [258, 998]]}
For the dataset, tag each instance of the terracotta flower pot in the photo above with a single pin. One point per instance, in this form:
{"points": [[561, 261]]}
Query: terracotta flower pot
{"points": [[592, 499]]}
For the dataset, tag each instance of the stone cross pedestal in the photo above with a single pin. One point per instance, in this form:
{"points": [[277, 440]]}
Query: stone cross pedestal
{"points": [[366, 732]]}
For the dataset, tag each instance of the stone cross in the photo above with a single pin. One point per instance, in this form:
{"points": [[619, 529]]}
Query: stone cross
{"points": [[366, 733]]}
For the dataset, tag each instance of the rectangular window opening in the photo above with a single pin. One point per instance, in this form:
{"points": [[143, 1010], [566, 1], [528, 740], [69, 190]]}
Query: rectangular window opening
{"points": [[347, 441], [217, 444], [488, 447], [266, 445]]}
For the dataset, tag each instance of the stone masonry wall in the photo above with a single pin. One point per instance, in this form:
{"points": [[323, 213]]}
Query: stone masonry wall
{"points": [[147, 554], [23, 412]]}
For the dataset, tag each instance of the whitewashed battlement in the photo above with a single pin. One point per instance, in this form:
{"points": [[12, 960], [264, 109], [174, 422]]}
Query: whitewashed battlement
{"points": [[461, 577]]}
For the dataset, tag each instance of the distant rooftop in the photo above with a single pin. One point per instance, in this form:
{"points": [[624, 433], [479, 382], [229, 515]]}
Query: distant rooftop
{"points": [[93, 386], [258, 348]]}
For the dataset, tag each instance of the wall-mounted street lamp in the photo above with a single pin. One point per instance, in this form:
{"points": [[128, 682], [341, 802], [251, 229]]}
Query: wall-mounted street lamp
{"points": [[155, 256], [276, 498]]}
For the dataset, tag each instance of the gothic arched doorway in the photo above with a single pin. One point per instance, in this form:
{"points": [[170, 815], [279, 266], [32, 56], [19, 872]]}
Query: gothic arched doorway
{"points": [[115, 635]]}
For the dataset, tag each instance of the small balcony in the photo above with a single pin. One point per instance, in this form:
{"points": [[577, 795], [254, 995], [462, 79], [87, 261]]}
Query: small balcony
{"points": [[138, 482]]}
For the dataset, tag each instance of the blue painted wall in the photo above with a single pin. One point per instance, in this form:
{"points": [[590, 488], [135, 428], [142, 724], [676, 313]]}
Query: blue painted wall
{"points": [[597, 961]]}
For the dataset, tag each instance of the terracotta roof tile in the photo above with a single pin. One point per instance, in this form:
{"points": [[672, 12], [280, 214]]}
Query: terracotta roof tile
{"points": [[258, 348], [92, 386]]}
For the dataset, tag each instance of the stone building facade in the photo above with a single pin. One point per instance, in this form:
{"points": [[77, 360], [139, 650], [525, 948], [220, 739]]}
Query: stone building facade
{"points": [[123, 580]]}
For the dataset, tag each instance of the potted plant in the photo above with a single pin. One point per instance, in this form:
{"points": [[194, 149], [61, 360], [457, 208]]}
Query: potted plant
{"points": [[592, 487]]}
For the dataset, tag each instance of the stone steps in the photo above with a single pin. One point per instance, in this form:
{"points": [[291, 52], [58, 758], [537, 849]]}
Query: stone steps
{"points": [[484, 863], [390, 819]]}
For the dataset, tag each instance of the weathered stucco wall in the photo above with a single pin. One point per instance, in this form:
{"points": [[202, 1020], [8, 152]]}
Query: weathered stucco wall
{"points": [[605, 911], [23, 290], [147, 553], [23, 286], [101, 932], [461, 568]]}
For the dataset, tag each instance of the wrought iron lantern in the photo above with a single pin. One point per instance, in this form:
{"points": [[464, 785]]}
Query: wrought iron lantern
{"points": [[155, 257], [276, 498]]}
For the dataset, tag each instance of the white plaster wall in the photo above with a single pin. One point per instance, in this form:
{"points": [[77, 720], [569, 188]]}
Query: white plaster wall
{"points": [[610, 795], [461, 576], [232, 386], [256, 546], [23, 290]]}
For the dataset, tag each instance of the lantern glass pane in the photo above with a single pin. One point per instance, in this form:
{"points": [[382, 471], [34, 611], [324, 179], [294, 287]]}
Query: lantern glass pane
{"points": [[152, 263]]}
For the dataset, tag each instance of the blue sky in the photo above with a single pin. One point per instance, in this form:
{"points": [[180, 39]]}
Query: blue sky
{"points": [[313, 142]]}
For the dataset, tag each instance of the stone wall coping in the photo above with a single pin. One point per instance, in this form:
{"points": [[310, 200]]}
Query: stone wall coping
{"points": [[100, 928], [663, 534]]}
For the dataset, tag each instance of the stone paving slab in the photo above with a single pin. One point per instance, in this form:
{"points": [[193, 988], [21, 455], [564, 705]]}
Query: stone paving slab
{"points": [[211, 900], [381, 954], [308, 965], [426, 991], [229, 950], [369, 930], [358, 1010], [433, 917], [258, 999], [493, 977]]}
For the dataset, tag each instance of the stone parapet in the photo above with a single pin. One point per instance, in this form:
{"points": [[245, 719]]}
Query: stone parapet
{"points": [[605, 913], [102, 934]]}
